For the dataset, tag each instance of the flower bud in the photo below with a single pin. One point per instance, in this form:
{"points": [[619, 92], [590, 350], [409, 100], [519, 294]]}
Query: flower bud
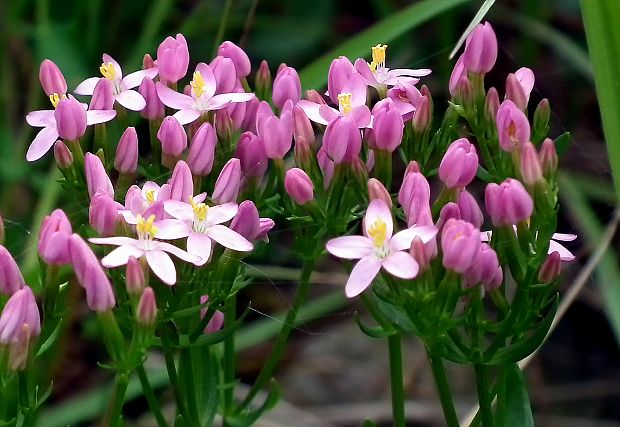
{"points": [[542, 114], [548, 157], [459, 73], [302, 128], [480, 49], [228, 182], [172, 59], [224, 74], [263, 79], [54, 238], [11, 279], [148, 62], [508, 203], [103, 96], [246, 222], [485, 270], [513, 127], [299, 186], [265, 226], [70, 119], [326, 165], [223, 125], [51, 79], [62, 155], [286, 86], [388, 126], [240, 59], [146, 314], [340, 70], [96, 177], [154, 109], [460, 243], [422, 117], [526, 79], [126, 159], [418, 252], [252, 155], [376, 190], [21, 309], [550, 269], [469, 209], [172, 137], [414, 194], [181, 182], [135, 280], [448, 211], [491, 105], [103, 214], [530, 168], [202, 150], [313, 96], [342, 140], [276, 133], [216, 323], [459, 165], [515, 93]]}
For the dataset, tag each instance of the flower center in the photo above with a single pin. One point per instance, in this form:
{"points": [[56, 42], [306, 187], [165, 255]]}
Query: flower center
{"points": [[378, 56], [55, 98], [150, 196], [108, 71], [146, 228], [200, 215], [198, 84], [378, 233], [344, 101], [512, 133]]}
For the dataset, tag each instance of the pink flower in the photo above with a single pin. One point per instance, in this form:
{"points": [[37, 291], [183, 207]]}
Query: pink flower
{"points": [[299, 186], [126, 159], [286, 86], [276, 133], [172, 59], [21, 309], [122, 86], [459, 165], [228, 49], [54, 238], [155, 252], [378, 248], [513, 127], [202, 98], [481, 49], [460, 243], [377, 74], [508, 203], [142, 201]]}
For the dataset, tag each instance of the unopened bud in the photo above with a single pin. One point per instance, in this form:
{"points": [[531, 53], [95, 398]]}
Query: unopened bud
{"points": [[147, 308], [313, 96], [263, 79], [514, 92], [62, 155], [376, 190], [491, 105], [135, 280], [299, 186], [530, 168], [418, 252], [422, 117], [223, 125], [541, 119], [550, 270], [548, 158], [147, 61]]}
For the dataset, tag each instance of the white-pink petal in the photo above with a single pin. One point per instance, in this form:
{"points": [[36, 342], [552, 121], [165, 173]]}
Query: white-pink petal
{"points": [[94, 117], [362, 275], [229, 238], [179, 253], [117, 68], [179, 210], [120, 256], [187, 115], [223, 99], [221, 213], [562, 237], [565, 254], [378, 212], [168, 229], [41, 118], [131, 99], [350, 247], [402, 240], [87, 87], [401, 264], [161, 264], [312, 110], [397, 72], [134, 79], [172, 98], [42, 143], [199, 244]]}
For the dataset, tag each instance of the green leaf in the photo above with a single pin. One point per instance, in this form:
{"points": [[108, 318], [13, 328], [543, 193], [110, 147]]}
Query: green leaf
{"points": [[514, 406], [314, 75], [249, 418], [475, 21], [373, 331]]}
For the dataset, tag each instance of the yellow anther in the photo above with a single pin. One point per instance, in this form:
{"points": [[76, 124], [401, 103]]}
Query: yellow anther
{"points": [[378, 233], [108, 71], [198, 84], [200, 209], [146, 228], [150, 196], [55, 98], [344, 100], [378, 56]]}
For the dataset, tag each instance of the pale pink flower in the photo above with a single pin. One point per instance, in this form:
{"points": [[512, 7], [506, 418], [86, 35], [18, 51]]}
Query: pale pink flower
{"points": [[139, 200], [377, 74], [122, 86], [379, 248]]}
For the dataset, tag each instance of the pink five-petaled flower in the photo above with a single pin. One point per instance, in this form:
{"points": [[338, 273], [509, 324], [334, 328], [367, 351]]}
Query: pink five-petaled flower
{"points": [[202, 99], [378, 248], [377, 74], [49, 121], [154, 251], [122, 86], [201, 224]]}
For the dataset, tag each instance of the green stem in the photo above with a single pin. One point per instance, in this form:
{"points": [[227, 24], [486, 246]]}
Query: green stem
{"points": [[26, 400], [187, 375], [172, 375], [51, 292], [443, 388], [150, 397], [113, 414], [484, 395], [396, 380], [287, 326], [230, 315]]}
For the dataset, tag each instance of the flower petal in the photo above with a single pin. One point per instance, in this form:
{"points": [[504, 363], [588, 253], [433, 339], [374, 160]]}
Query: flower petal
{"points": [[223, 99], [362, 67], [87, 87], [350, 247], [172, 98], [229, 238], [328, 114], [41, 118], [312, 111], [42, 143], [94, 117], [162, 266], [178, 252], [221, 213], [565, 254], [564, 237], [186, 115], [131, 99], [199, 244], [378, 211], [401, 264], [399, 72], [168, 229], [362, 275], [362, 117], [120, 256], [179, 210], [117, 68], [134, 79], [402, 240], [118, 241]]}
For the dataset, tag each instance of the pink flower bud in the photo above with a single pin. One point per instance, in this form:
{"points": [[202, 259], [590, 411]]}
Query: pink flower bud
{"points": [[508, 203], [181, 182], [485, 270], [263, 78], [542, 114], [172, 59], [459, 165], [550, 269], [19, 349], [224, 73], [414, 194], [491, 105], [513, 127], [90, 275], [422, 117], [11, 279], [302, 128], [339, 72], [313, 96], [154, 108], [388, 126], [135, 281], [526, 79], [62, 155], [342, 140], [460, 243], [223, 125], [530, 168], [376, 190], [418, 251], [276, 133], [236, 110], [70, 119], [103, 214], [252, 155], [51, 78], [449, 211], [514, 92], [265, 226], [146, 314], [103, 96], [548, 157], [286, 86], [21, 309], [202, 150], [54, 238], [96, 177], [126, 160], [246, 222], [228, 182], [299, 186], [172, 137], [217, 320], [326, 165], [481, 49], [459, 73], [470, 211], [240, 59], [148, 62]]}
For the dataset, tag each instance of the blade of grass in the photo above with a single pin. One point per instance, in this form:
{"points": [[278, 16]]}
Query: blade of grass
{"points": [[314, 75], [478, 17]]}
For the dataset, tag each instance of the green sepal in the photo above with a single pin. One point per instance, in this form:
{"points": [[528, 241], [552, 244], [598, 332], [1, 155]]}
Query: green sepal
{"points": [[373, 331]]}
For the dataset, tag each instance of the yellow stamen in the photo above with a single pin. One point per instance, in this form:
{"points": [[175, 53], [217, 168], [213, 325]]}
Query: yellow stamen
{"points": [[146, 228], [378, 233], [108, 71], [200, 209], [378, 56], [198, 84], [344, 100], [55, 98], [150, 196]]}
